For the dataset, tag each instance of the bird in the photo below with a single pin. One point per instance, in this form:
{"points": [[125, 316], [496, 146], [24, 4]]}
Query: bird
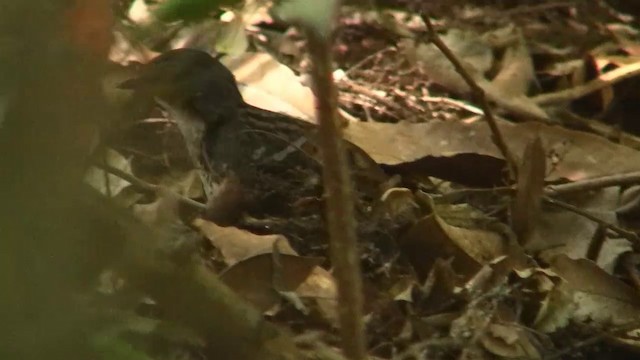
{"points": [[256, 166]]}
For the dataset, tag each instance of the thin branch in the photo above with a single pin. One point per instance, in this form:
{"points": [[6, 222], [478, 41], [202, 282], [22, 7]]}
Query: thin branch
{"points": [[144, 186], [607, 79], [632, 178], [629, 235], [595, 183], [477, 92], [362, 62], [340, 205]]}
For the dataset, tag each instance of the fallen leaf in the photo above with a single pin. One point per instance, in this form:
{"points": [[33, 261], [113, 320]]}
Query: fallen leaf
{"points": [[563, 232], [270, 85], [526, 206], [587, 294], [433, 238], [516, 72], [442, 149], [237, 244], [321, 287], [509, 341], [255, 278]]}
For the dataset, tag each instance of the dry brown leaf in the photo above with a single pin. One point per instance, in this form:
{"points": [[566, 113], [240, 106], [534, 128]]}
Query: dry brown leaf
{"points": [[440, 148], [526, 206], [509, 341], [237, 244], [256, 278], [273, 86], [563, 232], [519, 105], [400, 204], [321, 287], [587, 294], [432, 238], [516, 72], [439, 288]]}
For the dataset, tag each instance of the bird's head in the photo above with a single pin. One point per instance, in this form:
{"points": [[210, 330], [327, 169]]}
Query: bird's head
{"points": [[188, 79]]}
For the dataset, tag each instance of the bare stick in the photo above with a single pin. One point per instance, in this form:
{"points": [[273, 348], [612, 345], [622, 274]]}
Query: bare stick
{"points": [[339, 195], [632, 178], [607, 79], [629, 235], [148, 187], [595, 183], [477, 92]]}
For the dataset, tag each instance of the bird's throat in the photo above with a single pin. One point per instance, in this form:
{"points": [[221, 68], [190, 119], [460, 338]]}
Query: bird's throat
{"points": [[193, 130]]}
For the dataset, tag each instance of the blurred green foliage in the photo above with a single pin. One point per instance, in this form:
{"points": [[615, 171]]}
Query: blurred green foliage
{"points": [[190, 10]]}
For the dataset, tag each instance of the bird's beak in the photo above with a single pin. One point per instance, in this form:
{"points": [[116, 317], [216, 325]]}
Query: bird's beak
{"points": [[147, 75], [152, 79]]}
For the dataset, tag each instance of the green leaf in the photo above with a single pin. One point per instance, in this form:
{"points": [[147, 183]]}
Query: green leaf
{"points": [[190, 10]]}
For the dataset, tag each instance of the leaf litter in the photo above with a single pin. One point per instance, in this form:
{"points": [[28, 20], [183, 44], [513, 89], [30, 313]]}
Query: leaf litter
{"points": [[478, 265]]}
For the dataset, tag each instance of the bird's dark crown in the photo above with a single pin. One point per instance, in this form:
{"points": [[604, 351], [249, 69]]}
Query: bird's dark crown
{"points": [[184, 77]]}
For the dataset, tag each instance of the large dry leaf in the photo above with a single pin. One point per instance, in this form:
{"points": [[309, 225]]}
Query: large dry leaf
{"points": [[516, 72], [563, 232], [260, 280], [526, 205], [321, 286], [510, 341], [271, 85], [587, 294], [446, 148], [433, 238], [236, 244]]}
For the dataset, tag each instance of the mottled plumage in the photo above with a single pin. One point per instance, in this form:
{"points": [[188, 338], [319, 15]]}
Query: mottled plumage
{"points": [[254, 162]]}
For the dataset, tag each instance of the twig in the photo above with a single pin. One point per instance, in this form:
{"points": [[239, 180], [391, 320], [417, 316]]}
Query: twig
{"points": [[148, 187], [452, 102], [599, 128], [372, 94], [607, 79], [631, 178], [340, 205], [477, 92], [367, 59], [594, 184], [629, 235]]}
